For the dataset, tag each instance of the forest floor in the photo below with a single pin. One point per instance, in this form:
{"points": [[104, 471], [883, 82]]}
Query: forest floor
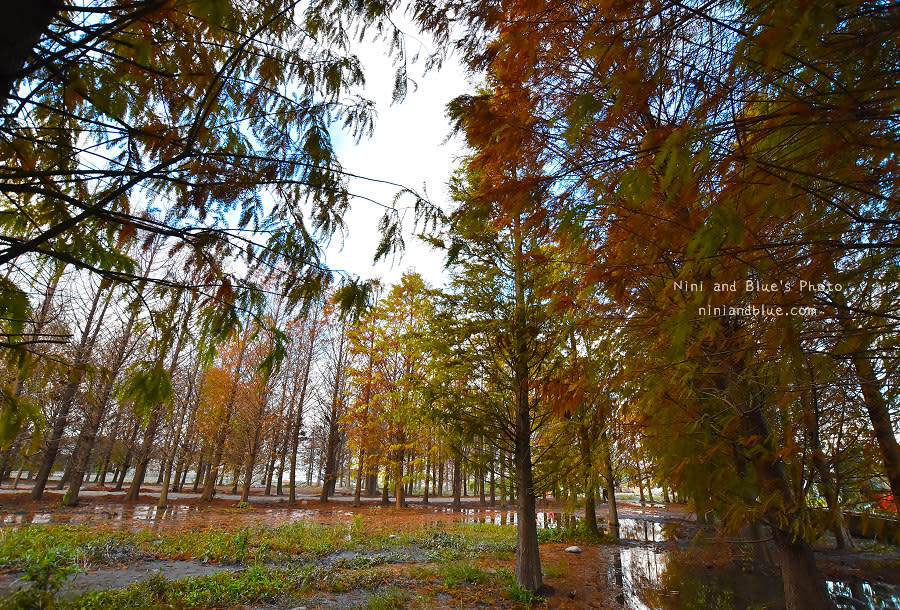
{"points": [[266, 555]]}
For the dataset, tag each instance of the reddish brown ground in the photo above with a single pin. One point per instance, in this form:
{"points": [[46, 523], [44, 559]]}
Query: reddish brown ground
{"points": [[577, 580]]}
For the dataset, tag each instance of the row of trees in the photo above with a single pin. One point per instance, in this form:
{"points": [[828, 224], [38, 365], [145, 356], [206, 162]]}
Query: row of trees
{"points": [[725, 174], [678, 224]]}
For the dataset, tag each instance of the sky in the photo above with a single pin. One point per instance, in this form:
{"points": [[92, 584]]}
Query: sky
{"points": [[409, 147]]}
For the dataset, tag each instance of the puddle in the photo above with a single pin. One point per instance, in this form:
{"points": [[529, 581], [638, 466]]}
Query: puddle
{"points": [[654, 577], [150, 517], [631, 529], [118, 578]]}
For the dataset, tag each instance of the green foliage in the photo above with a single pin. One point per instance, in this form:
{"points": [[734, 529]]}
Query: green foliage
{"points": [[353, 298], [46, 573], [14, 412], [148, 384], [514, 590], [14, 310]]}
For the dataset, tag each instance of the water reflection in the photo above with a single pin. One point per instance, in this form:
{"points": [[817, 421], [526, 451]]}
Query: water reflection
{"points": [[637, 530], [664, 578], [635, 569], [141, 516]]}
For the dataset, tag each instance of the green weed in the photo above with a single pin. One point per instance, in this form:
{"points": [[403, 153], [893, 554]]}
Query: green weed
{"points": [[388, 599]]}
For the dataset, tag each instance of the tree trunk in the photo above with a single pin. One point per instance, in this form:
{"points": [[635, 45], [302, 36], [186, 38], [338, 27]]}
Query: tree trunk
{"points": [[493, 487], [331, 448], [94, 417], [457, 484], [612, 515], [20, 35], [880, 416], [357, 492], [76, 373], [528, 560], [399, 496], [804, 586], [296, 427], [209, 487], [427, 474]]}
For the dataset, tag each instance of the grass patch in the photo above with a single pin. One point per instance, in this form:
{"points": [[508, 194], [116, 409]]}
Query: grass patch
{"points": [[455, 573], [514, 590], [462, 540], [254, 585], [388, 599]]}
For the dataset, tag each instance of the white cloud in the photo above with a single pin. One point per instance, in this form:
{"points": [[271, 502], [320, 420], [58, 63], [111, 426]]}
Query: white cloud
{"points": [[409, 147]]}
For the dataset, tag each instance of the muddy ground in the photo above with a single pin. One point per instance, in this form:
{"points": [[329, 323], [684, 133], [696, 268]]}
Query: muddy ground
{"points": [[655, 542]]}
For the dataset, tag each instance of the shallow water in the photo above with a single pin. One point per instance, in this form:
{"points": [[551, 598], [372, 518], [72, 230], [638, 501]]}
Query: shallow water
{"points": [[652, 576], [150, 517]]}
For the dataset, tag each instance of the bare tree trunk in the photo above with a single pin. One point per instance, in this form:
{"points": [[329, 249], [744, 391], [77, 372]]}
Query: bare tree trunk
{"points": [[331, 446], [357, 492], [398, 481], [209, 488], [94, 417], [612, 516], [296, 428], [76, 373], [457, 483]]}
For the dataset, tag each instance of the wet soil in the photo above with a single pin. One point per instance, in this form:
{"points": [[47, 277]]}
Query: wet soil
{"points": [[641, 572]]}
